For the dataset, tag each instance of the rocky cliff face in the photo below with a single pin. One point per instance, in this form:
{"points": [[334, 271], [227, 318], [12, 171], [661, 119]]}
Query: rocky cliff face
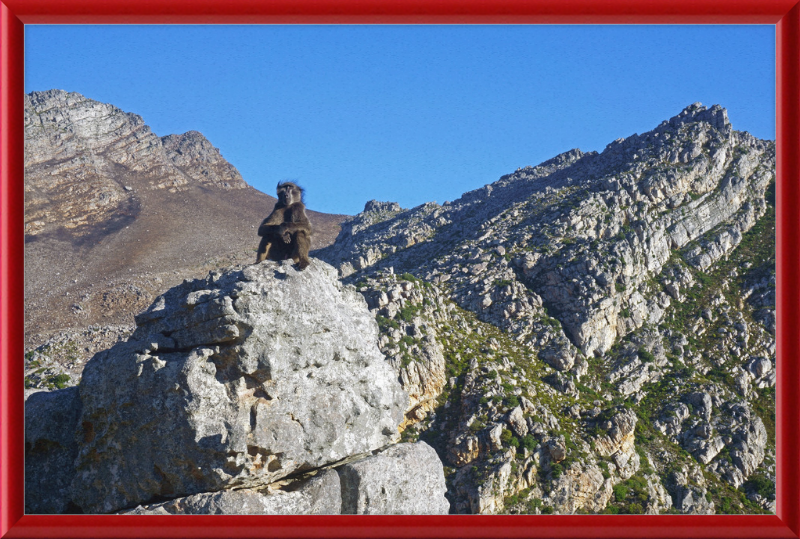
{"points": [[230, 394], [99, 156], [606, 322]]}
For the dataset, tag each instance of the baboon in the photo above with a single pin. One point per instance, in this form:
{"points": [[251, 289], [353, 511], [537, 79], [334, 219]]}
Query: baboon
{"points": [[286, 233]]}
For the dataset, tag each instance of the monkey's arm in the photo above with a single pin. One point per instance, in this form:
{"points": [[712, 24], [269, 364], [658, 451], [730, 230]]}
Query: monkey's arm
{"points": [[292, 228], [271, 223], [297, 222]]}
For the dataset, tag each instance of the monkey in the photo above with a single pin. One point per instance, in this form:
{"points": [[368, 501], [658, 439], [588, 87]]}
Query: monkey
{"points": [[286, 232]]}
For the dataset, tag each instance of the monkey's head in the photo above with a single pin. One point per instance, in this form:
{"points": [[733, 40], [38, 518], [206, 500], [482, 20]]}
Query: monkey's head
{"points": [[289, 193]]}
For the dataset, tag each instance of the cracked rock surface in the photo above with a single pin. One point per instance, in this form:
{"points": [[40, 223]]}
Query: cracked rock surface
{"points": [[236, 380]]}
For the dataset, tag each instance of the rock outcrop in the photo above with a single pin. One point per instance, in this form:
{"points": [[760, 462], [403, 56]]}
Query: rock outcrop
{"points": [[236, 380], [228, 385], [320, 495], [404, 479], [50, 449]]}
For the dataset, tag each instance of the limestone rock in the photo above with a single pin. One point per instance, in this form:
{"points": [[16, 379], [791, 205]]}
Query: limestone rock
{"points": [[688, 494], [588, 230], [619, 437], [320, 495], [701, 402], [405, 479], [77, 145], [234, 381], [517, 422], [580, 487], [196, 157], [51, 419]]}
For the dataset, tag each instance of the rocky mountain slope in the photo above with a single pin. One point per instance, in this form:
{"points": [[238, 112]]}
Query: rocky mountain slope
{"points": [[115, 214], [593, 334]]}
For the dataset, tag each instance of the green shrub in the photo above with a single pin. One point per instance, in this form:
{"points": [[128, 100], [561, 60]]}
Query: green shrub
{"points": [[59, 380], [477, 426], [638, 488], [620, 492], [645, 356], [408, 312], [529, 442], [725, 504], [384, 323], [761, 485], [534, 504], [635, 509], [408, 340], [603, 465], [506, 436]]}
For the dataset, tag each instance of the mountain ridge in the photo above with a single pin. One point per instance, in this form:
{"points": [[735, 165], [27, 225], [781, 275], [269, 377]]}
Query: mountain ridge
{"points": [[592, 334], [623, 294]]}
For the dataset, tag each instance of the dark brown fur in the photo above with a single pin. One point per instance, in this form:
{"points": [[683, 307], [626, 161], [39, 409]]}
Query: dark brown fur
{"points": [[286, 233]]}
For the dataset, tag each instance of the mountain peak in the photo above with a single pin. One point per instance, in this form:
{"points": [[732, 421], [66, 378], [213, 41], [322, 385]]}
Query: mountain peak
{"points": [[716, 116], [193, 154]]}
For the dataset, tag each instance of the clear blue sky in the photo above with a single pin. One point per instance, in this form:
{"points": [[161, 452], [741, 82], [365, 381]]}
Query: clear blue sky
{"points": [[407, 113]]}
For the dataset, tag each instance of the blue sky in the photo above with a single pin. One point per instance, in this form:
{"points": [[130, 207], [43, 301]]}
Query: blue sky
{"points": [[407, 113]]}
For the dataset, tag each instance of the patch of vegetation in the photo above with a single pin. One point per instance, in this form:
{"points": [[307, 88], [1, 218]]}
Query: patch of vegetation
{"points": [[761, 485], [764, 406], [603, 465], [630, 496], [385, 324], [529, 442], [477, 426], [409, 312], [506, 436], [645, 355], [60, 381]]}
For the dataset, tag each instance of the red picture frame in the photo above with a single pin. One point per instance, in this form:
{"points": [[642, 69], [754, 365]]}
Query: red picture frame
{"points": [[14, 14]]}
